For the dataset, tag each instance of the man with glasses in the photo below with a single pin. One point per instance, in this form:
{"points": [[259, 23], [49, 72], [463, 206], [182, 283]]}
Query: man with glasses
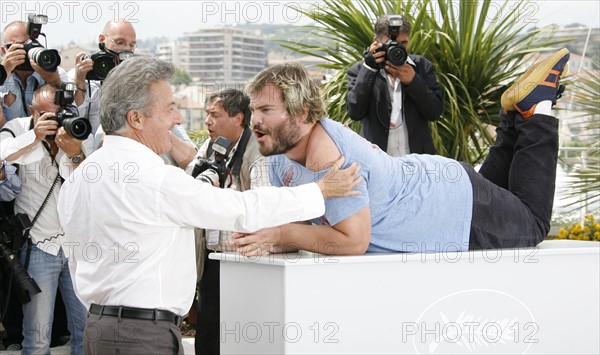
{"points": [[119, 38], [17, 92]]}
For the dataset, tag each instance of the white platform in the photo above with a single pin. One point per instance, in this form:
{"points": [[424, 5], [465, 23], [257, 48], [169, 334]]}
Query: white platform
{"points": [[542, 300]]}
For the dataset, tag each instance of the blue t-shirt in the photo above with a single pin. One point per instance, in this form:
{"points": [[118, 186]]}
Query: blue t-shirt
{"points": [[418, 203]]}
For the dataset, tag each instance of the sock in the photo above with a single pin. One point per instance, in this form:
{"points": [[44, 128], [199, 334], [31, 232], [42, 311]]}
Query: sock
{"points": [[543, 108]]}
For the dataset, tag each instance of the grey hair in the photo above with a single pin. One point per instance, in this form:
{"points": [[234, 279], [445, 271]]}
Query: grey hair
{"points": [[299, 91], [127, 87], [382, 23]]}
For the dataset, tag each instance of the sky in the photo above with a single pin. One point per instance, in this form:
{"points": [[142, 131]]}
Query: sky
{"points": [[82, 21]]}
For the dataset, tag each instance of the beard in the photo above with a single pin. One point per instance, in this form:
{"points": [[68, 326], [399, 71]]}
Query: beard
{"points": [[284, 137]]}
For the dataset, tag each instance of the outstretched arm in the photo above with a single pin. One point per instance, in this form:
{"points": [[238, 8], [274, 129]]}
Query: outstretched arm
{"points": [[349, 237]]}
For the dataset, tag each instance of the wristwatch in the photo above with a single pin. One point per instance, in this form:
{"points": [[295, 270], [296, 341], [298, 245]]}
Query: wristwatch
{"points": [[77, 158]]}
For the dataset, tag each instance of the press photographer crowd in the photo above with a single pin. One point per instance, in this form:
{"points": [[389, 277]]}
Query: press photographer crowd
{"points": [[110, 212], [52, 121]]}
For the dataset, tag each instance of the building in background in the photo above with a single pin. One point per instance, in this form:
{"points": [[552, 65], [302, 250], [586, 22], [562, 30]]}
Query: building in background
{"points": [[222, 55]]}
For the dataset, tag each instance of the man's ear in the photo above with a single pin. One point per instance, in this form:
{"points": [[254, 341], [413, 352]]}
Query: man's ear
{"points": [[304, 115], [31, 110], [239, 118], [135, 119], [101, 38]]}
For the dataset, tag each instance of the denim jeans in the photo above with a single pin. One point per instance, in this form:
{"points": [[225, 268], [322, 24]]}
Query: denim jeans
{"points": [[514, 192], [50, 273]]}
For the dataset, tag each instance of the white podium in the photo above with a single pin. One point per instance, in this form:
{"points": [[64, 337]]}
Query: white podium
{"points": [[542, 300]]}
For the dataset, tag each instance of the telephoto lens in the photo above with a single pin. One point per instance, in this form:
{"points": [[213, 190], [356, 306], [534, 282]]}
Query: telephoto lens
{"points": [[397, 55], [47, 59], [78, 127]]}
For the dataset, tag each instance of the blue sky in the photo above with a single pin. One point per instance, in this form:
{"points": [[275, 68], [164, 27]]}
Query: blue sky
{"points": [[81, 21]]}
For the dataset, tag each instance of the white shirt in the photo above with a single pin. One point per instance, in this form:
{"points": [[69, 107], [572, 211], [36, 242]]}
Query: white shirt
{"points": [[37, 173], [398, 133], [129, 221]]}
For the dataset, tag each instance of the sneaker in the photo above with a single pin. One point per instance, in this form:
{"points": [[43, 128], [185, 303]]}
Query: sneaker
{"points": [[538, 83]]}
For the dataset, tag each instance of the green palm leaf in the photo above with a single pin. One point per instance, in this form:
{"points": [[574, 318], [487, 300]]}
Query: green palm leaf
{"points": [[476, 46]]}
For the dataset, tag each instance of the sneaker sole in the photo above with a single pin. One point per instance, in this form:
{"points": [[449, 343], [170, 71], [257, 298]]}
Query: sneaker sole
{"points": [[531, 79]]}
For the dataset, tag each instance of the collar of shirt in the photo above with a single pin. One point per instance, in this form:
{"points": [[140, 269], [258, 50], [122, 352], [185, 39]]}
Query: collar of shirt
{"points": [[125, 143]]}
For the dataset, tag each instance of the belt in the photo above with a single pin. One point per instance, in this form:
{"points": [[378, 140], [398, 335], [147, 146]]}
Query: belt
{"points": [[136, 313]]}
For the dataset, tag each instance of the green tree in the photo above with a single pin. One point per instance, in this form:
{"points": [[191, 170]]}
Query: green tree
{"points": [[585, 185], [476, 46], [181, 77]]}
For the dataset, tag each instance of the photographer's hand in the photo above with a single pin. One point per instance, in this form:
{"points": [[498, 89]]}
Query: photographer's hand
{"points": [[66, 143], [406, 72], [50, 77], [82, 68], [372, 57], [340, 183], [14, 56], [44, 126]]}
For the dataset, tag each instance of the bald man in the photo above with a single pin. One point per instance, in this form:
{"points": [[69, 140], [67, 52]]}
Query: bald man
{"points": [[17, 91], [119, 38]]}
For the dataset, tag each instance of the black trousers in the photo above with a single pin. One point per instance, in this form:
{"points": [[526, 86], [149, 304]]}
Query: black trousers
{"points": [[513, 193], [208, 318], [106, 335]]}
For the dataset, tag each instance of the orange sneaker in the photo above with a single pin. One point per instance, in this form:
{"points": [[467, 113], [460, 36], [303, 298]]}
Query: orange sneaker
{"points": [[539, 83]]}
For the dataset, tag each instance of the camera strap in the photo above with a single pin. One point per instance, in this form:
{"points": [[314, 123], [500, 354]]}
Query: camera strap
{"points": [[235, 164], [23, 91], [44, 203]]}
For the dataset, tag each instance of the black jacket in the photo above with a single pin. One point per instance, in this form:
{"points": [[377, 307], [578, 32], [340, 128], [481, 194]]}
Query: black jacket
{"points": [[369, 100]]}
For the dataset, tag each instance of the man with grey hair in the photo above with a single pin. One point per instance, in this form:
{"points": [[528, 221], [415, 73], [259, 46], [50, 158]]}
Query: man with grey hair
{"points": [[395, 101], [139, 214], [119, 39]]}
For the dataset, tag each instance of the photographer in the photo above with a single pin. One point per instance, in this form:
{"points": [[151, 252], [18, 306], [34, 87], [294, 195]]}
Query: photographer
{"points": [[395, 102], [46, 154], [118, 39], [228, 116], [22, 79]]}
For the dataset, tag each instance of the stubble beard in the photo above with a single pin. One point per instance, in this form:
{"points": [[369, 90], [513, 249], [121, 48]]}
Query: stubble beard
{"points": [[285, 137]]}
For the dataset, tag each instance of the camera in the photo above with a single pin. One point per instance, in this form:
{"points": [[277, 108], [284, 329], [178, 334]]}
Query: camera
{"points": [[77, 127], [11, 233], [215, 170], [3, 75], [394, 52], [104, 60], [47, 59]]}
